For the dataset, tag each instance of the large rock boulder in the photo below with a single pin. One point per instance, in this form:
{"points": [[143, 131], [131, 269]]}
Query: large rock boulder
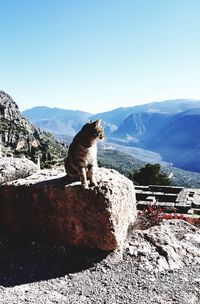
{"points": [[44, 206], [14, 168]]}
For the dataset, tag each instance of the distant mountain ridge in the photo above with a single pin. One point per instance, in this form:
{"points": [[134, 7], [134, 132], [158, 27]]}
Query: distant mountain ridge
{"points": [[116, 116], [170, 128], [57, 121], [179, 140]]}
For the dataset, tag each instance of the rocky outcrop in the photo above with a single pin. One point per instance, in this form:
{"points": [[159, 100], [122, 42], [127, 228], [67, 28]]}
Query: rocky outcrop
{"points": [[19, 137], [9, 110], [173, 244], [44, 206], [14, 168]]}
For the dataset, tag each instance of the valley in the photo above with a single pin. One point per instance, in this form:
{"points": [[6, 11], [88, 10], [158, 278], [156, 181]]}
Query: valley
{"points": [[126, 164]]}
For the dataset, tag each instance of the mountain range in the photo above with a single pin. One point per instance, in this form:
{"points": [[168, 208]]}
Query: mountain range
{"points": [[170, 128]]}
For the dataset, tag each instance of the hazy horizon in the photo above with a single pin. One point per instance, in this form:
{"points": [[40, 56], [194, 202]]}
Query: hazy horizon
{"points": [[149, 102], [97, 56]]}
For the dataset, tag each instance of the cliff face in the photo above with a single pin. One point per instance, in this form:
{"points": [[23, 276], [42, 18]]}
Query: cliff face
{"points": [[19, 137]]}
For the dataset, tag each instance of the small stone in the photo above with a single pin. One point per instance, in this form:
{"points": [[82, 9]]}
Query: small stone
{"points": [[104, 270]]}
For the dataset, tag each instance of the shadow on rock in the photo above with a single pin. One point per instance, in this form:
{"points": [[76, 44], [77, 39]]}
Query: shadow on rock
{"points": [[23, 261], [56, 182]]}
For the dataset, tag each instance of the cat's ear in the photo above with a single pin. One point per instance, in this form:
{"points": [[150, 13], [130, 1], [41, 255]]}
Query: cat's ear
{"points": [[98, 122], [85, 126]]}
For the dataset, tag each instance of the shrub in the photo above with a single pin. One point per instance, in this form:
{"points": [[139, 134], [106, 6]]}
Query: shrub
{"points": [[151, 215], [150, 175]]}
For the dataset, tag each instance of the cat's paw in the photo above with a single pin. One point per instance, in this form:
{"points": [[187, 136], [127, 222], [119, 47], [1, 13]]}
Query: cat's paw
{"points": [[85, 186], [92, 184]]}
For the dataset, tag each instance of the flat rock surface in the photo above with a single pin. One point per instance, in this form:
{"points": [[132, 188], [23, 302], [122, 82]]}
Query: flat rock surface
{"points": [[31, 272]]}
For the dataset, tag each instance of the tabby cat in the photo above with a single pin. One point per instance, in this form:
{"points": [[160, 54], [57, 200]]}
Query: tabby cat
{"points": [[81, 161]]}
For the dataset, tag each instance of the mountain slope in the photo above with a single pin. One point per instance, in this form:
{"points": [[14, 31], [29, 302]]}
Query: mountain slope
{"points": [[19, 137], [178, 141], [137, 126]]}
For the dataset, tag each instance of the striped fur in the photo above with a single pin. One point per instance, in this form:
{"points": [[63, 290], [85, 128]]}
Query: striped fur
{"points": [[81, 161]]}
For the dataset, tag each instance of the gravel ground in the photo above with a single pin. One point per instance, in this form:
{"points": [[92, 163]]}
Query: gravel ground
{"points": [[31, 272]]}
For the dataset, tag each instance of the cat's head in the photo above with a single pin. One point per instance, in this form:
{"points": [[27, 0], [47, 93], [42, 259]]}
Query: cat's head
{"points": [[94, 129]]}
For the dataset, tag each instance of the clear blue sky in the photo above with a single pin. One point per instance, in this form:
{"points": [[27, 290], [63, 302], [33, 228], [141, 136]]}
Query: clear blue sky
{"points": [[96, 55]]}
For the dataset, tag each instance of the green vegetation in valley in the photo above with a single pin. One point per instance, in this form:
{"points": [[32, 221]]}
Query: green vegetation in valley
{"points": [[150, 174], [128, 165], [122, 162]]}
